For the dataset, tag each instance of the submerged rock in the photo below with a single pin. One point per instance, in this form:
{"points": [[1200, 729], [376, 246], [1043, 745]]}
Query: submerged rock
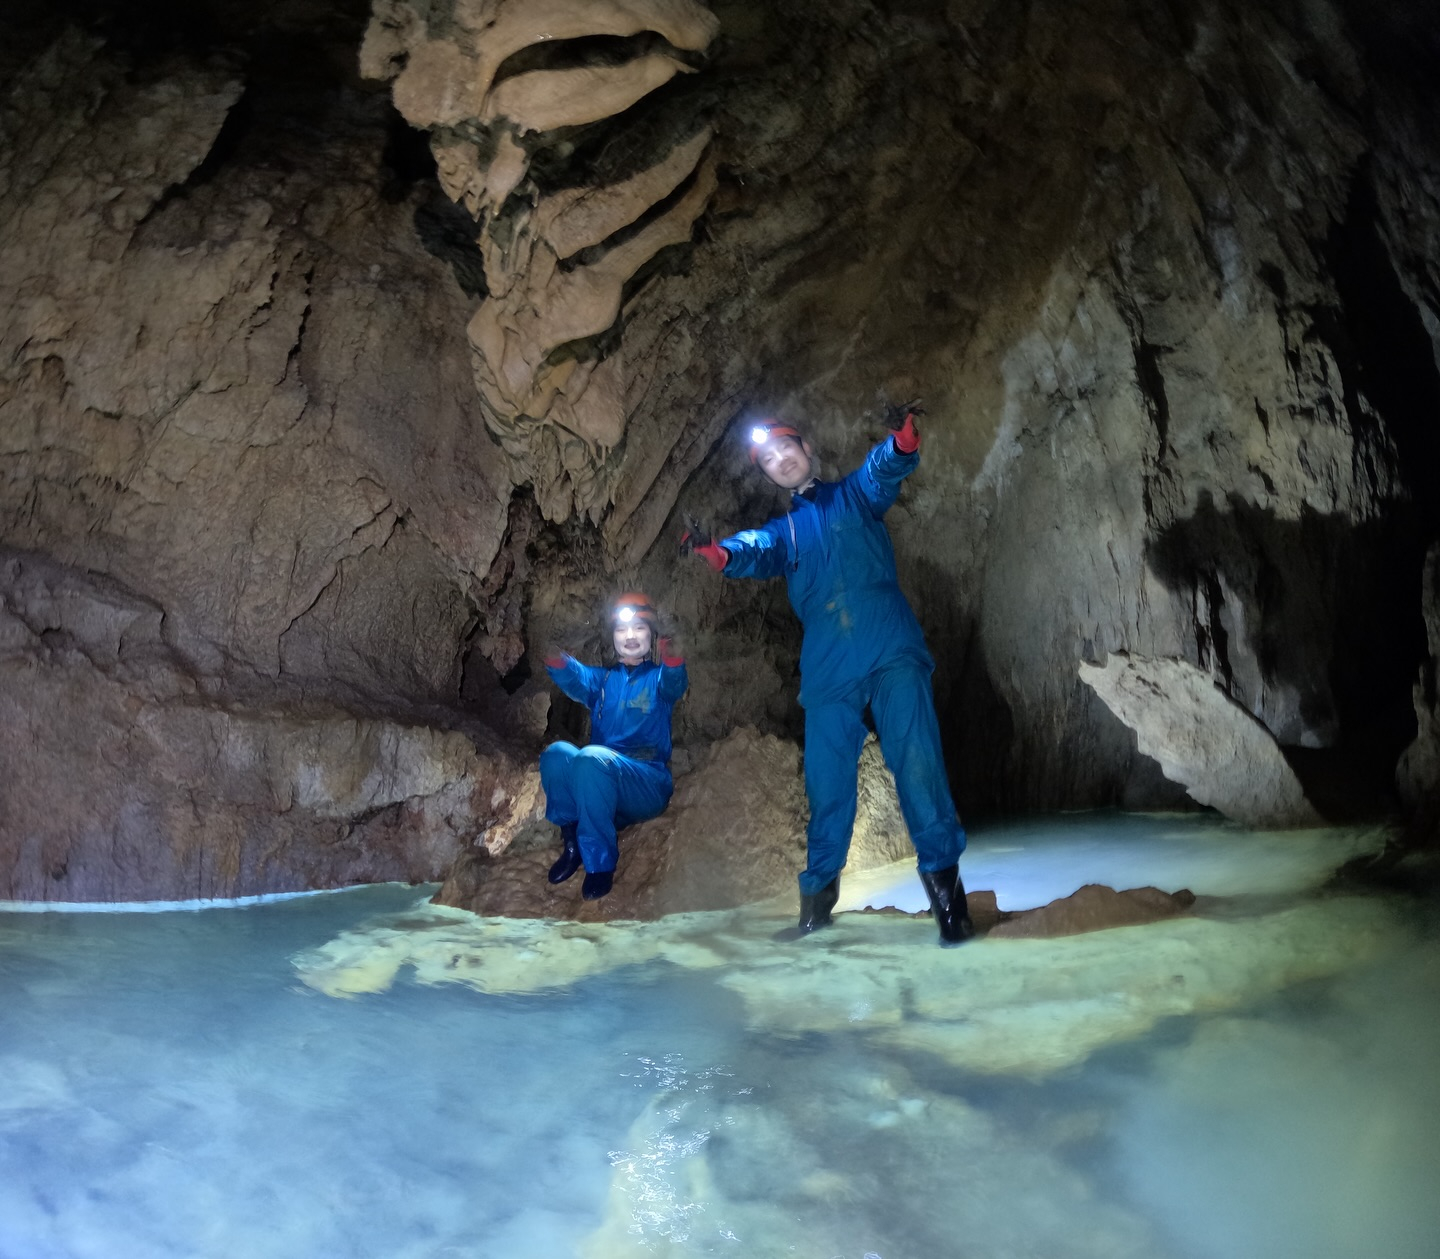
{"points": [[1031, 1006]]}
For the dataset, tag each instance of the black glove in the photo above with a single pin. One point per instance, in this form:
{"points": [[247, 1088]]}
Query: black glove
{"points": [[695, 537], [896, 412]]}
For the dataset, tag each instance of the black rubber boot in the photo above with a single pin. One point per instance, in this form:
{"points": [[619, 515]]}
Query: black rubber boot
{"points": [[569, 860], [947, 903], [597, 884], [815, 910]]}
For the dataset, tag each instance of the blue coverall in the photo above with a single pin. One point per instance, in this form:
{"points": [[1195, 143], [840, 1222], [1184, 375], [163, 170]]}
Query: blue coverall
{"points": [[862, 646], [623, 775]]}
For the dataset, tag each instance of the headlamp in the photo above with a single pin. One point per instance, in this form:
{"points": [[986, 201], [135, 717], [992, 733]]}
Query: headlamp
{"points": [[766, 432], [625, 615]]}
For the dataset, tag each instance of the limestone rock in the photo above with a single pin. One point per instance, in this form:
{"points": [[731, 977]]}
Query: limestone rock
{"points": [[127, 777], [1224, 757], [552, 393], [734, 833]]}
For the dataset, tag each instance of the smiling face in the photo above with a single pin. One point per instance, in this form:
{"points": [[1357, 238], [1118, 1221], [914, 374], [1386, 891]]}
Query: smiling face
{"points": [[787, 461], [632, 640]]}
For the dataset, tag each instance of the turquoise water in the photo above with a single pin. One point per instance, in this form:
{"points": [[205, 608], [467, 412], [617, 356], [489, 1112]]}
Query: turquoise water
{"points": [[179, 1084]]}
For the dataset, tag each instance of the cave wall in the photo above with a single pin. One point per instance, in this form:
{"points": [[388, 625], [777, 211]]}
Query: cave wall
{"points": [[1165, 275]]}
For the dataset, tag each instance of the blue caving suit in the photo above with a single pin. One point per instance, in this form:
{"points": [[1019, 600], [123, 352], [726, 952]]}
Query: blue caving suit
{"points": [[862, 646], [623, 775]]}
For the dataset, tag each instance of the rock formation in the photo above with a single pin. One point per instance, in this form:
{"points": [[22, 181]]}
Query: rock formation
{"points": [[130, 777], [1224, 757], [734, 833], [546, 338]]}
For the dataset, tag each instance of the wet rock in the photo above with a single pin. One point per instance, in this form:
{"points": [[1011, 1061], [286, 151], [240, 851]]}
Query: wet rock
{"points": [[1224, 757], [1031, 1006]]}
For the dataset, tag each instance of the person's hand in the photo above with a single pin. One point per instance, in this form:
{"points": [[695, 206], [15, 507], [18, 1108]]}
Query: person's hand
{"points": [[901, 419], [554, 657], [698, 540], [667, 639]]}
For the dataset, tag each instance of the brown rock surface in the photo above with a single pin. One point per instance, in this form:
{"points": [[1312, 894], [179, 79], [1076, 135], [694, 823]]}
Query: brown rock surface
{"points": [[127, 777], [1094, 907], [734, 833]]}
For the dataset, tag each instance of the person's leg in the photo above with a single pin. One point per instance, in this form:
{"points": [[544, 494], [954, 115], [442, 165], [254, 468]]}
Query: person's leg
{"points": [[904, 709], [556, 763], [611, 791], [834, 735]]}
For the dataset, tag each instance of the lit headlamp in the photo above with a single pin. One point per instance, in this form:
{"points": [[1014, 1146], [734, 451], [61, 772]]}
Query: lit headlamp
{"points": [[631, 607], [763, 433]]}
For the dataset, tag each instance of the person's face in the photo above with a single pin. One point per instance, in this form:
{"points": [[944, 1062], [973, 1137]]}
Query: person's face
{"points": [[632, 641], [786, 461]]}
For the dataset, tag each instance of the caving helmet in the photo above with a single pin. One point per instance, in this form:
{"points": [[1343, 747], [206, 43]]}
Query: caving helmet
{"points": [[768, 430], [633, 606]]}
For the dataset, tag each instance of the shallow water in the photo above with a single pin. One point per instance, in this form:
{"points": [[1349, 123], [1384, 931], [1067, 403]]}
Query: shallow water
{"points": [[180, 1084]]}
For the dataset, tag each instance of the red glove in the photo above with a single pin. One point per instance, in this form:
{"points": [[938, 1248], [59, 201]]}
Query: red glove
{"points": [[555, 658], [907, 440], [667, 653], [712, 552]]}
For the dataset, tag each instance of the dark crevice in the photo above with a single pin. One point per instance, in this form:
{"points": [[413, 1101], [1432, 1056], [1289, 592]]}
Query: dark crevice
{"points": [[589, 52], [406, 159], [1331, 619], [447, 231], [1152, 389], [615, 148], [1384, 352]]}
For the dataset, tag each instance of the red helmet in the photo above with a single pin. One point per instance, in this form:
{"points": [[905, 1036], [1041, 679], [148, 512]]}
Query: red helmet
{"points": [[767, 430], [633, 606]]}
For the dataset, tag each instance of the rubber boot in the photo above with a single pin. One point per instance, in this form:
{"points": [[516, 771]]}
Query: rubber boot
{"points": [[597, 884], [815, 910], [947, 903], [569, 860]]}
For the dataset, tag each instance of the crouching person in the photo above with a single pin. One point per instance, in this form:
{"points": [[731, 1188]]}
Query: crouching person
{"points": [[623, 775]]}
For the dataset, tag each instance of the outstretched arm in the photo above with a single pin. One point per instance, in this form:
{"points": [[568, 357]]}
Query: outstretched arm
{"points": [[749, 553], [755, 553], [879, 477], [581, 682]]}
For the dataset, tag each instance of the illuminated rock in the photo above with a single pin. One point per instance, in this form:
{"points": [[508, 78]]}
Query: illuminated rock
{"points": [[1224, 757]]}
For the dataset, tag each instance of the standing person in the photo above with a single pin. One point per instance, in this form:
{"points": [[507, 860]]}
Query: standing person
{"points": [[623, 775], [862, 648]]}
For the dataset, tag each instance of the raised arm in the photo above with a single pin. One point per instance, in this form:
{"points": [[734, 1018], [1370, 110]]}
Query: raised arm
{"points": [[755, 553], [581, 682], [749, 553], [879, 477], [674, 681]]}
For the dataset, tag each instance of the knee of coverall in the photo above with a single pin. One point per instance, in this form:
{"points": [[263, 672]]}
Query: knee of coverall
{"points": [[556, 755]]}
